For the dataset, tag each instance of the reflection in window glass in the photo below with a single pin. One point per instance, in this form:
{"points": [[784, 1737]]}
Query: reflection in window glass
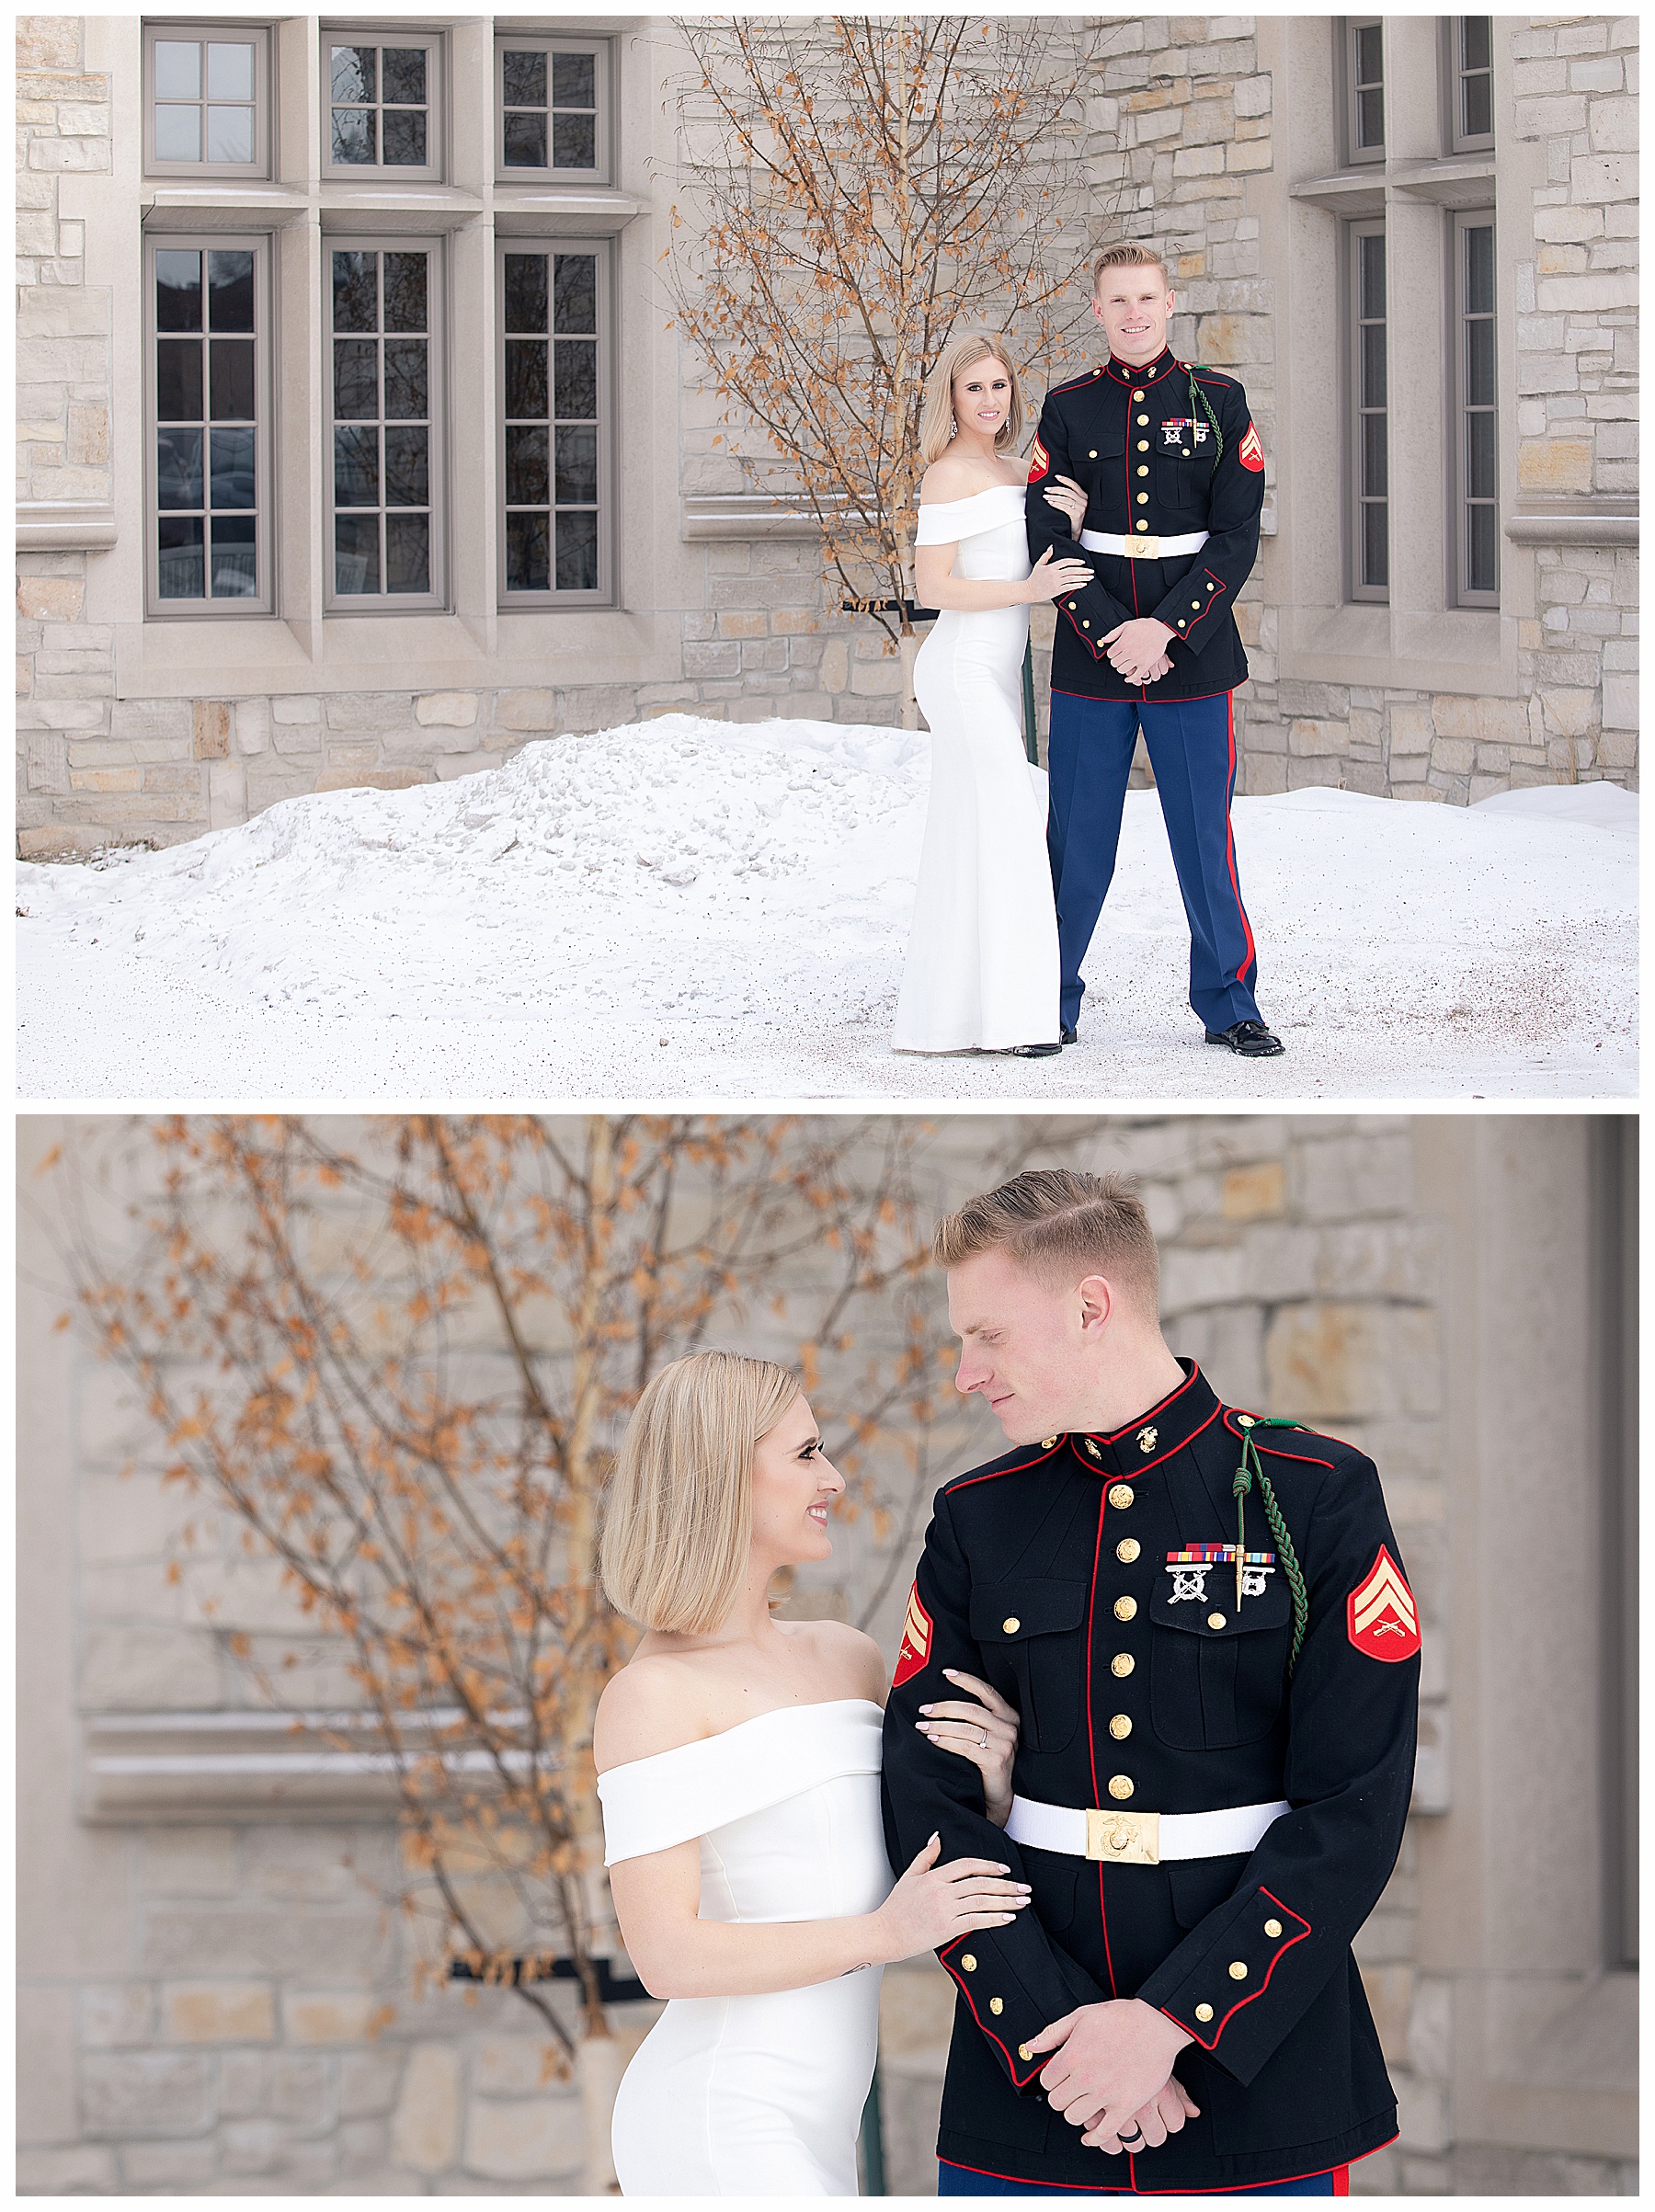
{"points": [[207, 487], [549, 103], [382, 428], [1372, 562], [1479, 520], [205, 98], [550, 308], [380, 106]]}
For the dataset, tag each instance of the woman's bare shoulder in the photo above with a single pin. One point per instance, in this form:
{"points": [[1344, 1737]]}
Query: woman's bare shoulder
{"points": [[951, 477], [851, 1663], [655, 1703]]}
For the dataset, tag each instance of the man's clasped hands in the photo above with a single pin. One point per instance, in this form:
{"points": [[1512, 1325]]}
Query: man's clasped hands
{"points": [[1111, 2074], [1137, 649]]}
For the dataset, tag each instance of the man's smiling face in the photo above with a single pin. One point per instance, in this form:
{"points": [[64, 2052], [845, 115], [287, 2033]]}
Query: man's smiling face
{"points": [[1134, 307], [1021, 1344]]}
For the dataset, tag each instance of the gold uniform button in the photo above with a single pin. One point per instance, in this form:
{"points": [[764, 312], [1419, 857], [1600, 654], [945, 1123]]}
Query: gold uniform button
{"points": [[1120, 1726], [1137, 396], [1092, 455], [1181, 623], [1214, 1620], [1273, 1927], [1143, 526], [1142, 468], [1143, 498], [1204, 2012], [1125, 1609], [1142, 418], [1212, 587], [1024, 2053], [1143, 445], [998, 2004], [1237, 1969], [1121, 1495], [1195, 606], [1011, 1624], [1086, 625], [968, 1962], [1122, 1664], [1120, 1786], [1127, 1550]]}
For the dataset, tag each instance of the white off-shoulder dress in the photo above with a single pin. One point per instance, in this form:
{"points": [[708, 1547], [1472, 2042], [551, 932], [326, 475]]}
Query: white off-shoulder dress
{"points": [[982, 964], [758, 2096]]}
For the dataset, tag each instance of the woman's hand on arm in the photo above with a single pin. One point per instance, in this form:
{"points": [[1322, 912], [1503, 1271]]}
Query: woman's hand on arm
{"points": [[676, 1953], [985, 1733]]}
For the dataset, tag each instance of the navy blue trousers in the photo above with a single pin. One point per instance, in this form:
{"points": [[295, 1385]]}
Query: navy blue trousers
{"points": [[1191, 746], [966, 2181]]}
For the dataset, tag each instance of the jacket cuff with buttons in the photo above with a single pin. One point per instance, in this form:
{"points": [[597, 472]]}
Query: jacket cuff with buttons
{"points": [[1212, 1981]]}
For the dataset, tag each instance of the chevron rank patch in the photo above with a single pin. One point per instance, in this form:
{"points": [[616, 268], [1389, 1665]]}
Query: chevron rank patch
{"points": [[1040, 461], [1381, 1616], [1251, 453], [916, 1641]]}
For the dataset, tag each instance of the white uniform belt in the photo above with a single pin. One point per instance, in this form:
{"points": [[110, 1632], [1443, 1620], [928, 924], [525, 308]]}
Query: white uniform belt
{"points": [[1090, 1832], [1143, 549]]}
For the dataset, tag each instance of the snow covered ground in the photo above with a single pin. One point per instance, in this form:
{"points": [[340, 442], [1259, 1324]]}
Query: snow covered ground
{"points": [[695, 910]]}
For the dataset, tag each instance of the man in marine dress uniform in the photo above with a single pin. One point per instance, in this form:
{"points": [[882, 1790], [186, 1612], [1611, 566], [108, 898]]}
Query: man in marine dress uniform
{"points": [[1203, 1621], [1173, 474]]}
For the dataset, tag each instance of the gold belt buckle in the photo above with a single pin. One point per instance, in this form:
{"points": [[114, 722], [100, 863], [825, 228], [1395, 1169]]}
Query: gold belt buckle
{"points": [[1142, 549], [1126, 1839]]}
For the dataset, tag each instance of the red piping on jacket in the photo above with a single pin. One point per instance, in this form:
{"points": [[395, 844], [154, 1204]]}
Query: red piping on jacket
{"points": [[1091, 1748], [1194, 2033], [1010, 2059]]}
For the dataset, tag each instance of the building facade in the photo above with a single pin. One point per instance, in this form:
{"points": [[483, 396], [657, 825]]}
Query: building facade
{"points": [[376, 554], [216, 1998]]}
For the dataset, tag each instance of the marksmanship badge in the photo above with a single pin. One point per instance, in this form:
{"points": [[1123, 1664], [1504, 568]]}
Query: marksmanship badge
{"points": [[1191, 1566]]}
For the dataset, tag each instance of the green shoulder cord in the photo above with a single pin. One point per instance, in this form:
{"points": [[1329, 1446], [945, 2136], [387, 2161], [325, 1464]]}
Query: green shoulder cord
{"points": [[1251, 1466], [1198, 398]]}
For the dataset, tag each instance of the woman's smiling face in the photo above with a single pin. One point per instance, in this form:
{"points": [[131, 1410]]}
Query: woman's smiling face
{"points": [[794, 1486]]}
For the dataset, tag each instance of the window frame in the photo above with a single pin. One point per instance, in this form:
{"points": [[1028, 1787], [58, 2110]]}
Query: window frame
{"points": [[1368, 594], [435, 601], [233, 30], [262, 605], [1354, 152], [1461, 220], [603, 595], [434, 170], [1454, 73], [552, 42]]}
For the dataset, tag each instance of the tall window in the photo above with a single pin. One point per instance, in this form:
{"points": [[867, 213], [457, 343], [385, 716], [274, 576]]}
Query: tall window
{"points": [[386, 476], [208, 379], [382, 107], [1476, 410], [553, 464], [1471, 82], [1364, 86], [552, 109], [1370, 458], [206, 101]]}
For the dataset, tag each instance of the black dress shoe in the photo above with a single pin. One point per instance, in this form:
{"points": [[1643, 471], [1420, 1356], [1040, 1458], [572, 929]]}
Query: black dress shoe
{"points": [[1031, 1052], [1069, 1035], [1250, 1039]]}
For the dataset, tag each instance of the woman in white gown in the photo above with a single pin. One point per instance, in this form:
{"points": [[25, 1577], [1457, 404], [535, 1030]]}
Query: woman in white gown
{"points": [[738, 1769], [982, 971]]}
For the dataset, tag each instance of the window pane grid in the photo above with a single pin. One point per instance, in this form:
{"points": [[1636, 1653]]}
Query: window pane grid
{"points": [[1368, 85], [1372, 425], [206, 387], [1479, 402], [549, 303], [548, 101], [1476, 77], [204, 100], [381, 422], [380, 106]]}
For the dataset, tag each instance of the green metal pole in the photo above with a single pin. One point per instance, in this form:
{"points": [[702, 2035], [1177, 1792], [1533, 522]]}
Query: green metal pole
{"points": [[872, 2142], [1031, 728]]}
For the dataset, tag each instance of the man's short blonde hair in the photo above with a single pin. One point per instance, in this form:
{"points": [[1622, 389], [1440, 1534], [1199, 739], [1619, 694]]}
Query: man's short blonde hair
{"points": [[1060, 1227], [1129, 253], [678, 1524]]}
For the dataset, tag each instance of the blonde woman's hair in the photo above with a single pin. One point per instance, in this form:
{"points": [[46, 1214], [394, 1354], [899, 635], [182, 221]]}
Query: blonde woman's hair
{"points": [[1060, 1225], [679, 1516], [937, 417], [1129, 254]]}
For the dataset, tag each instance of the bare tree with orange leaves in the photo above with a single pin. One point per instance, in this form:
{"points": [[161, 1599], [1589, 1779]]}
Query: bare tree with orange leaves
{"points": [[399, 1353], [858, 190]]}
